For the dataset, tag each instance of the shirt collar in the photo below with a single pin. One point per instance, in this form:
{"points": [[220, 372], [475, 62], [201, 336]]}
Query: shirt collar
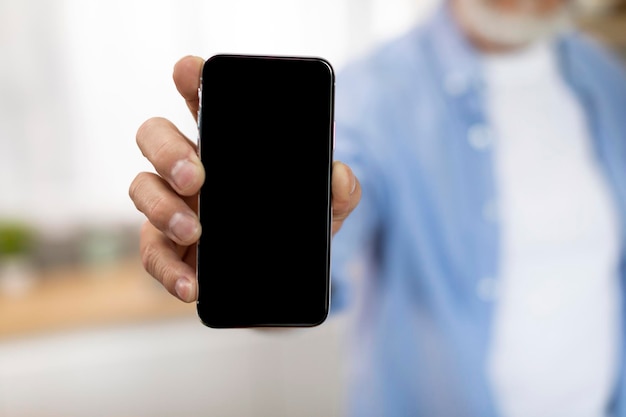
{"points": [[458, 62]]}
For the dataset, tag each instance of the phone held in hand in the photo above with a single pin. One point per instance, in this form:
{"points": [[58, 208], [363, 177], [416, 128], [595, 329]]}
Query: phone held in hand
{"points": [[266, 141]]}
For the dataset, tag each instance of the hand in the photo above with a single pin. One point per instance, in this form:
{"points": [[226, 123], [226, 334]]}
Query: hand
{"points": [[169, 197]]}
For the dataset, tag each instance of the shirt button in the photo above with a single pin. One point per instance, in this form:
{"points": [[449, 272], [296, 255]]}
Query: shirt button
{"points": [[487, 289], [480, 137]]}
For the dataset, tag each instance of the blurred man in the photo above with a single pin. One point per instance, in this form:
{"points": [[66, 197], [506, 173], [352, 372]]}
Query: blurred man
{"points": [[483, 260]]}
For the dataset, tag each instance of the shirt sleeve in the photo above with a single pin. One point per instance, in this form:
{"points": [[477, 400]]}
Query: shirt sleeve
{"points": [[356, 132]]}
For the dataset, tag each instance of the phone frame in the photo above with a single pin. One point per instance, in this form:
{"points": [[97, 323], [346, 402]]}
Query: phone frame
{"points": [[329, 137]]}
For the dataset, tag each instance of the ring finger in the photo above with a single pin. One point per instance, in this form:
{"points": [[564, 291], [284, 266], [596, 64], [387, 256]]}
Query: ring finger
{"points": [[165, 209]]}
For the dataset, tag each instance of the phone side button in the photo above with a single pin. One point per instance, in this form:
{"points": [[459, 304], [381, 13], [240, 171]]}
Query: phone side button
{"points": [[199, 104]]}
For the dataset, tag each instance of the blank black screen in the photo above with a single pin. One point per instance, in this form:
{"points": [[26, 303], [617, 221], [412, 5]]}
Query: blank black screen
{"points": [[266, 132]]}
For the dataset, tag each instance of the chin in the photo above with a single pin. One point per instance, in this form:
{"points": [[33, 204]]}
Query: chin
{"points": [[513, 29]]}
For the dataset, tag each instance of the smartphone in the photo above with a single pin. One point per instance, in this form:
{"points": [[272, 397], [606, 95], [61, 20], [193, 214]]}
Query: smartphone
{"points": [[266, 136]]}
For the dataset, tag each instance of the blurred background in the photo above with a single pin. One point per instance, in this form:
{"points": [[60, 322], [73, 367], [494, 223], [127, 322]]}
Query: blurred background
{"points": [[83, 330]]}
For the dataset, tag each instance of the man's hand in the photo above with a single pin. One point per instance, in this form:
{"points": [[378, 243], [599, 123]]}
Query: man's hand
{"points": [[169, 197]]}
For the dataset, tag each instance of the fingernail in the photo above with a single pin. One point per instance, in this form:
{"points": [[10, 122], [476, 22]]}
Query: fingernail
{"points": [[184, 227], [183, 289], [353, 185], [184, 173]]}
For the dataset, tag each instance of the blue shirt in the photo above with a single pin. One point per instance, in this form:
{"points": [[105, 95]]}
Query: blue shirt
{"points": [[410, 122]]}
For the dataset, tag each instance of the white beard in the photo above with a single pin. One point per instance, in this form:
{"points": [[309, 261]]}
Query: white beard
{"points": [[512, 29]]}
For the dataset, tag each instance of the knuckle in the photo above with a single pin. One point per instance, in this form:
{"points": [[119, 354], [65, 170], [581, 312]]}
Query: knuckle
{"points": [[136, 186], [154, 204], [149, 259], [165, 151], [150, 138], [152, 261], [157, 210], [147, 128]]}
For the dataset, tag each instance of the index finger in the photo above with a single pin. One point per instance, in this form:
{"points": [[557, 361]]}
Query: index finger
{"points": [[186, 76]]}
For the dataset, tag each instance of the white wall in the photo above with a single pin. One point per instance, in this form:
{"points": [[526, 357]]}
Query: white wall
{"points": [[79, 76]]}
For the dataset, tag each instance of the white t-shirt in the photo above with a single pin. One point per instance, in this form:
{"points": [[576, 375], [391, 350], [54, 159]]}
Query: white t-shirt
{"points": [[556, 328]]}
